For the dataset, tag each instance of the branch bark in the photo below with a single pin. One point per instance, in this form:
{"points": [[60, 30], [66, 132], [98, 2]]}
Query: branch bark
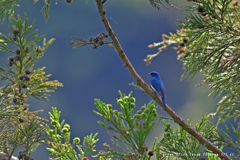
{"points": [[150, 92]]}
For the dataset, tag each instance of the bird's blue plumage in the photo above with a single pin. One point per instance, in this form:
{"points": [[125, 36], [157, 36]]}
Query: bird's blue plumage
{"points": [[158, 85]]}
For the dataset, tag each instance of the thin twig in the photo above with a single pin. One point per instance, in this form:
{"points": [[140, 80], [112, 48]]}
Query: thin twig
{"points": [[150, 92]]}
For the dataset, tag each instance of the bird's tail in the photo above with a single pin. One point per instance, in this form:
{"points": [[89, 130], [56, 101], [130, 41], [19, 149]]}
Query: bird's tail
{"points": [[163, 102]]}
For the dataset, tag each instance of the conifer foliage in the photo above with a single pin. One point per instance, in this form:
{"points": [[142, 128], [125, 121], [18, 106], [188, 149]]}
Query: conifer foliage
{"points": [[208, 42]]}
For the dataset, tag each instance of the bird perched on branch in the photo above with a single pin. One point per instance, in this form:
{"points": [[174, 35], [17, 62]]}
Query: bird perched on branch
{"points": [[158, 86]]}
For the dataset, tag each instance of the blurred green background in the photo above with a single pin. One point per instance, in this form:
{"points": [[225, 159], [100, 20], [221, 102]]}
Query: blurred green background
{"points": [[87, 74]]}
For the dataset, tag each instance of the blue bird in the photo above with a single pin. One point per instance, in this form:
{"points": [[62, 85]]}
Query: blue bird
{"points": [[158, 85]]}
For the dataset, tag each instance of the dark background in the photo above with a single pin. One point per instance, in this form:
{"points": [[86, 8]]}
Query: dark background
{"points": [[88, 74]]}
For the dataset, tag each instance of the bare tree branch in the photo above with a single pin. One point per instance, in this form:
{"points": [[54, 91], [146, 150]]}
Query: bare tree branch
{"points": [[150, 92]]}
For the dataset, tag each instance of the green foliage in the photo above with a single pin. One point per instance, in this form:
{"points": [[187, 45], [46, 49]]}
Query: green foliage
{"points": [[213, 156], [136, 86], [181, 144], [209, 42], [131, 130], [25, 131], [19, 127], [36, 84], [46, 7], [157, 3], [60, 136], [225, 138], [7, 8]]}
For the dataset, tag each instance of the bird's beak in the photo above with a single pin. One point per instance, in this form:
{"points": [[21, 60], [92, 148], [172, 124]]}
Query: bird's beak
{"points": [[149, 73]]}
